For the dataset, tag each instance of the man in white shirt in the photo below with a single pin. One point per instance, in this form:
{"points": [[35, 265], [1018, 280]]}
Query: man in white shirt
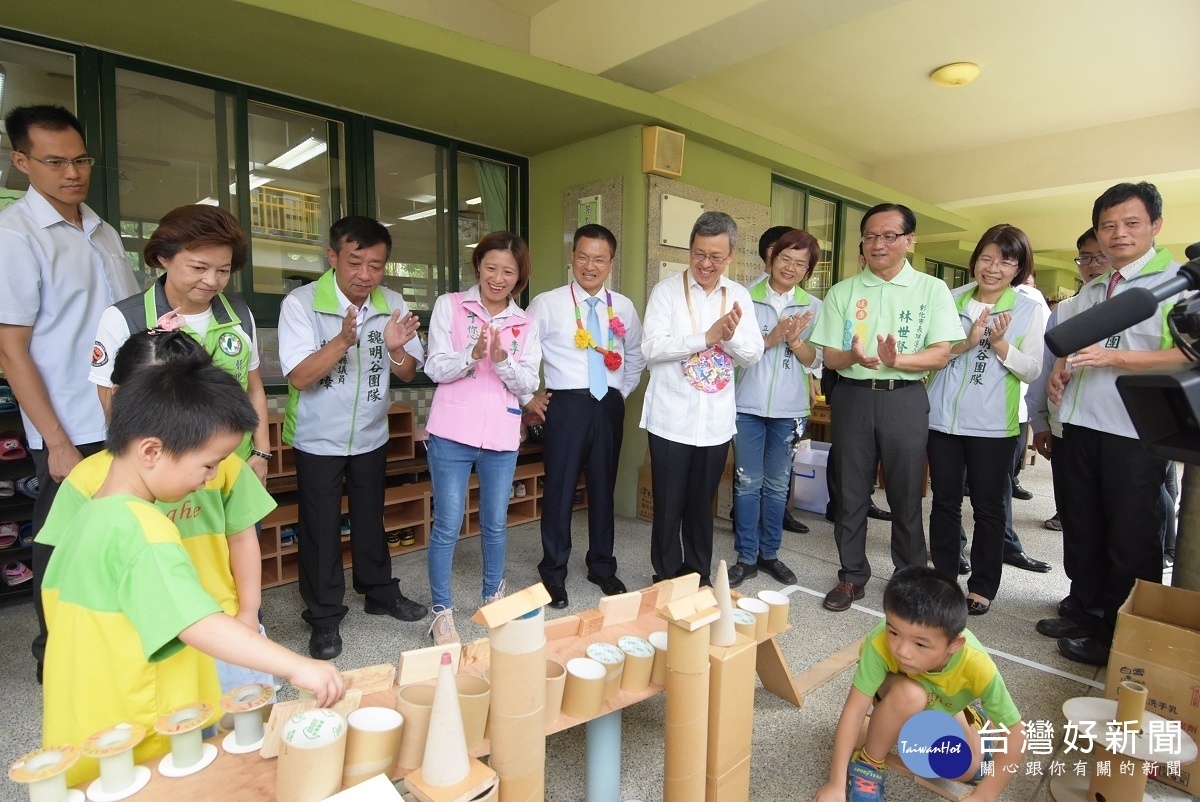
{"points": [[583, 406], [697, 327], [61, 268]]}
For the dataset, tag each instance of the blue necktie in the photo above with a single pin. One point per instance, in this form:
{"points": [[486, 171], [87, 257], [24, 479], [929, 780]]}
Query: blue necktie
{"points": [[597, 375]]}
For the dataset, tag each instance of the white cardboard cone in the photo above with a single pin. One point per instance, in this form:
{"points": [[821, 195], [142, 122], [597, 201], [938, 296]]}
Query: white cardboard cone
{"points": [[446, 760], [723, 632]]}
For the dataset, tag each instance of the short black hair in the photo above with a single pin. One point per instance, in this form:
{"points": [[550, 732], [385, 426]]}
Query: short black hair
{"points": [[923, 595], [910, 219], [53, 118], [1117, 194], [1090, 234], [595, 231], [183, 404], [362, 231], [769, 238], [156, 347]]}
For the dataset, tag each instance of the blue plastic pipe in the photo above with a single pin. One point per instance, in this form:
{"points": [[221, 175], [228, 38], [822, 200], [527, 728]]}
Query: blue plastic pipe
{"points": [[604, 758]]}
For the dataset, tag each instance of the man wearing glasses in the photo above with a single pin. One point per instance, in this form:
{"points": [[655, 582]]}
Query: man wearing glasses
{"points": [[698, 325], [883, 330], [62, 267], [583, 406]]}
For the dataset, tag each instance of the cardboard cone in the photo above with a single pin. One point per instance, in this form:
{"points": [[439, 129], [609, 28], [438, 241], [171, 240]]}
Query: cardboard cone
{"points": [[446, 760], [723, 632]]}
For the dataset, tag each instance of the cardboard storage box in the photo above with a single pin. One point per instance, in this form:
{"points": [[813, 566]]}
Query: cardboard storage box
{"points": [[645, 500], [1157, 643], [809, 489]]}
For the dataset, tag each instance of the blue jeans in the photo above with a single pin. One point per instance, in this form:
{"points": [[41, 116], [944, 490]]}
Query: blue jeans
{"points": [[763, 450], [450, 464]]}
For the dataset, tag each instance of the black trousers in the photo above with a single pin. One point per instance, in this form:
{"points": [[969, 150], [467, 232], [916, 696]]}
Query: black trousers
{"points": [[319, 481], [1020, 449], [581, 434], [685, 480], [47, 490], [1109, 494], [890, 426], [986, 461]]}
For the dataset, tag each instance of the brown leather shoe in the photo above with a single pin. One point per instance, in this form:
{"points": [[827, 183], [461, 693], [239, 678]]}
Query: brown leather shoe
{"points": [[842, 596]]}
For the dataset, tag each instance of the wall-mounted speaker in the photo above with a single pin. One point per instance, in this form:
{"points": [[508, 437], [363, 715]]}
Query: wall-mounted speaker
{"points": [[662, 151]]}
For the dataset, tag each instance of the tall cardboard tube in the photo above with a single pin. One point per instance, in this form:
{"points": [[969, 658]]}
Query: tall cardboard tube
{"points": [[311, 755], [474, 693], [518, 716], [372, 743], [658, 673], [415, 703], [1131, 704], [687, 714], [584, 692], [777, 613]]}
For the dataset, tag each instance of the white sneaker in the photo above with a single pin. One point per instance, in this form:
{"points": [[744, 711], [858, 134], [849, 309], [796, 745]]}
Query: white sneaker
{"points": [[512, 491], [442, 628], [520, 487], [501, 592]]}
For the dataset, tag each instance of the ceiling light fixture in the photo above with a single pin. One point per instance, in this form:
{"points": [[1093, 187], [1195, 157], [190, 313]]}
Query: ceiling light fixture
{"points": [[305, 151], [207, 202], [474, 201], [256, 181], [960, 73], [420, 215]]}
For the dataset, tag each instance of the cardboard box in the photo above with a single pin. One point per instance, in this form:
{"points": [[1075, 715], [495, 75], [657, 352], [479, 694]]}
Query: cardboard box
{"points": [[810, 491], [645, 500], [730, 705], [732, 786], [1157, 643]]}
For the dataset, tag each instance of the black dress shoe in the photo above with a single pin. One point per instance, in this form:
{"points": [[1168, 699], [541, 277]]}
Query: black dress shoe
{"points": [[1023, 494], [877, 513], [1092, 651], [829, 512], [400, 608], [1026, 563], [1062, 628], [558, 596], [609, 585], [777, 569], [792, 524], [739, 572], [325, 643], [964, 565]]}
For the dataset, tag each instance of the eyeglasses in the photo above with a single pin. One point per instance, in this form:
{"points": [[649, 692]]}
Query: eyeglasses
{"points": [[787, 261], [889, 238], [55, 163], [987, 261], [714, 259], [1099, 259], [599, 262]]}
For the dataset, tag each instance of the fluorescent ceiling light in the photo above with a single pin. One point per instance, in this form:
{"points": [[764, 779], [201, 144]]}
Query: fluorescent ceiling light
{"points": [[306, 150], [472, 245], [207, 202], [474, 201], [420, 215], [388, 225], [256, 181], [422, 198]]}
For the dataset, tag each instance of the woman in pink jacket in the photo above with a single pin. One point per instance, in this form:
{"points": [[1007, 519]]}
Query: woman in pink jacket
{"points": [[484, 352]]}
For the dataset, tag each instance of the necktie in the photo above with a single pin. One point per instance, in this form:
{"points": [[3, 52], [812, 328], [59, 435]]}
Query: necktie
{"points": [[597, 377], [1112, 283]]}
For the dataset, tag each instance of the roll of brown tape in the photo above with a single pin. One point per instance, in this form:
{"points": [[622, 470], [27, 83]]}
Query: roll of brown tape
{"points": [[761, 611], [312, 752], [613, 660]]}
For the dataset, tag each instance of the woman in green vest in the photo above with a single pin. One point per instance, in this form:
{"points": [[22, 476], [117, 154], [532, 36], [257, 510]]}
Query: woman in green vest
{"points": [[198, 248]]}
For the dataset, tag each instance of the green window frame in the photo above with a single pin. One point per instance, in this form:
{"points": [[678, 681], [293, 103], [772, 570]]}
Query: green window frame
{"points": [[802, 205]]}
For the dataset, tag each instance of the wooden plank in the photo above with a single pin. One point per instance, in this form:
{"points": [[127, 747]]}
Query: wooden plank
{"points": [[563, 627], [516, 605], [282, 711], [773, 671], [370, 679], [808, 681], [620, 608], [685, 609], [590, 622], [479, 779], [419, 665], [946, 789]]}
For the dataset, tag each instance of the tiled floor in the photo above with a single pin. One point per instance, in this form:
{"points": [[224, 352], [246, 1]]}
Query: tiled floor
{"points": [[791, 747]]}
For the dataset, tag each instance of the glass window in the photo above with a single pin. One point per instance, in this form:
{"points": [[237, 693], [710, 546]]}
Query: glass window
{"points": [[848, 264], [30, 75], [483, 207], [174, 147], [410, 199], [821, 223], [787, 206], [296, 192]]}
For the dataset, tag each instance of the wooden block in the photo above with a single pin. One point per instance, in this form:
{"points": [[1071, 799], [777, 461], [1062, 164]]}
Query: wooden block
{"points": [[946, 789], [685, 607], [808, 681], [773, 671], [282, 711], [590, 622], [621, 608], [518, 604], [479, 780], [419, 665], [371, 679], [475, 651], [564, 627]]}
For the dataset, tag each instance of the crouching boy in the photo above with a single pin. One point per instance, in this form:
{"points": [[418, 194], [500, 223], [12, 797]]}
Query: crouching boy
{"points": [[922, 657]]}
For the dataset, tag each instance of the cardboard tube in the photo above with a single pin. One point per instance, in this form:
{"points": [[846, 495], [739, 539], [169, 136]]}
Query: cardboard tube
{"points": [[639, 663], [777, 613], [761, 611], [658, 673], [556, 680], [1131, 704], [1116, 786], [743, 622], [473, 695], [613, 660], [687, 652], [311, 754], [686, 714], [372, 743], [584, 691], [414, 703], [518, 717], [44, 771]]}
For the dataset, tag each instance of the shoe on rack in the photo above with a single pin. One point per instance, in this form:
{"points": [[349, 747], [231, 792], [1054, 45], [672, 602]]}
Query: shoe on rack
{"points": [[793, 524], [877, 513], [842, 596], [1020, 492], [400, 608], [442, 628], [777, 569], [739, 572], [325, 643], [520, 490], [609, 585]]}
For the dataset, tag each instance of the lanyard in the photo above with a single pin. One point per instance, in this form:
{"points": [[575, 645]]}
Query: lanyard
{"points": [[687, 296]]}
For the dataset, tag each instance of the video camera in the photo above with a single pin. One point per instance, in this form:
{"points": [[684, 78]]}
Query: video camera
{"points": [[1164, 407]]}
